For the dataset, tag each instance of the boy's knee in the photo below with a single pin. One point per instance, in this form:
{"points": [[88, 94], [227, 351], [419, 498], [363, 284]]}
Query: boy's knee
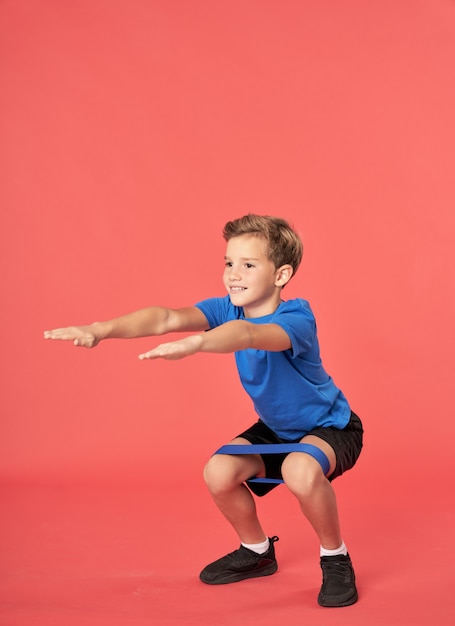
{"points": [[208, 471], [301, 474], [224, 472], [216, 474]]}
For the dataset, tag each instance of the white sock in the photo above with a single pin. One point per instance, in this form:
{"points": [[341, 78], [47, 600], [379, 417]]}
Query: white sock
{"points": [[259, 548], [341, 550]]}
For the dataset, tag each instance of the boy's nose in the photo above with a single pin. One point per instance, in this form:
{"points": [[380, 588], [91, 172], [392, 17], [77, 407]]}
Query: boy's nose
{"points": [[234, 274]]}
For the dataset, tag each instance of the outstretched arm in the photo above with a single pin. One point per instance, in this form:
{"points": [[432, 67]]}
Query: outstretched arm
{"points": [[143, 323], [229, 337]]}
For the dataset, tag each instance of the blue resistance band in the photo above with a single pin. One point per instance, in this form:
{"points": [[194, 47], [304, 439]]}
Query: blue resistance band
{"points": [[277, 448]]}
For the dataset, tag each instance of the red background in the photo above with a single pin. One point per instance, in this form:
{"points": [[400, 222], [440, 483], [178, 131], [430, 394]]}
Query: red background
{"points": [[131, 131]]}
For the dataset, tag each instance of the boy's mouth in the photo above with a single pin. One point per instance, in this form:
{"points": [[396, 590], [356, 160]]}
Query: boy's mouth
{"points": [[237, 289]]}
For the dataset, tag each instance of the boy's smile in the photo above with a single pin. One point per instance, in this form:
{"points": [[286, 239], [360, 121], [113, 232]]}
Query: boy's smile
{"points": [[250, 277]]}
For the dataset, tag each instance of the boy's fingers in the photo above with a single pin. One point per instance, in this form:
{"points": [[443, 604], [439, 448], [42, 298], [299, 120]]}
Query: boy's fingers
{"points": [[71, 334], [147, 355], [160, 352], [59, 335]]}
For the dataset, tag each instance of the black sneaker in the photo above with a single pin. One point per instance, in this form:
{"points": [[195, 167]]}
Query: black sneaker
{"points": [[240, 564], [338, 582]]}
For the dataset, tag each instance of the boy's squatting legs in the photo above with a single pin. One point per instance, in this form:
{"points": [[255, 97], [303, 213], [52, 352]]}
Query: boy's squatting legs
{"points": [[225, 474]]}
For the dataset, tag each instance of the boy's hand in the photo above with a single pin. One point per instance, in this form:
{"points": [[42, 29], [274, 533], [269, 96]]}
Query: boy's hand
{"points": [[175, 349], [82, 336]]}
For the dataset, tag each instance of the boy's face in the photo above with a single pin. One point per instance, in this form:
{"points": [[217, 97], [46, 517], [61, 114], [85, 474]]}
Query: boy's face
{"points": [[250, 277]]}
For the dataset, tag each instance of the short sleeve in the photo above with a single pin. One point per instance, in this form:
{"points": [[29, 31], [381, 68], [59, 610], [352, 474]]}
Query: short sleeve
{"points": [[218, 310], [297, 320]]}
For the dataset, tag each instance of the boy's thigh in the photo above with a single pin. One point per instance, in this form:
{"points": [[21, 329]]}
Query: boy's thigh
{"points": [[326, 448], [252, 464], [236, 467]]}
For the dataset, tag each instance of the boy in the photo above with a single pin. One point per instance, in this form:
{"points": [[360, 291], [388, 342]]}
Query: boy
{"points": [[277, 354]]}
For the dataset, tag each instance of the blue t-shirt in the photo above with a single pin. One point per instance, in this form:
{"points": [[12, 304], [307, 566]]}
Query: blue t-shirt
{"points": [[291, 391]]}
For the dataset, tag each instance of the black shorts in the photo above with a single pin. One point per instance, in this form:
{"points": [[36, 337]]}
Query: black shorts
{"points": [[346, 443]]}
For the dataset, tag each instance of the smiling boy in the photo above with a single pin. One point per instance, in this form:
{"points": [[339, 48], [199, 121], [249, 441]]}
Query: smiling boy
{"points": [[277, 356]]}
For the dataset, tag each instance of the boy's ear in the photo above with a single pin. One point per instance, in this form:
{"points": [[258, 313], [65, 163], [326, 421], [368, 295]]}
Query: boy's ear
{"points": [[283, 275]]}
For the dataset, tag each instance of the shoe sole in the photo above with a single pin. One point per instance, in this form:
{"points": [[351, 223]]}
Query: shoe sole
{"points": [[332, 604], [234, 578]]}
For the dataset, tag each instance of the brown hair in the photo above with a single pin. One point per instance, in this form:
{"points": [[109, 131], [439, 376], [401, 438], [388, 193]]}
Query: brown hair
{"points": [[283, 244]]}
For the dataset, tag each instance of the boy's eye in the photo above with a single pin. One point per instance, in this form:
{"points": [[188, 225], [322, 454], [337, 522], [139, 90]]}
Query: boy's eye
{"points": [[231, 264]]}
